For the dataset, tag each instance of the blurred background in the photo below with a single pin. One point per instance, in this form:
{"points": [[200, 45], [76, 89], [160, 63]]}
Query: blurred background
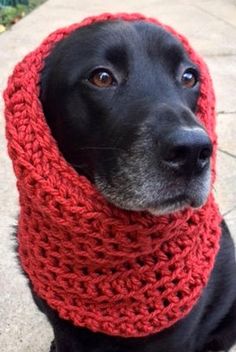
{"points": [[210, 26]]}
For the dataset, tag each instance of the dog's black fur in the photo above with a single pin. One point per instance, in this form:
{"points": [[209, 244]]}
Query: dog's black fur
{"points": [[137, 140]]}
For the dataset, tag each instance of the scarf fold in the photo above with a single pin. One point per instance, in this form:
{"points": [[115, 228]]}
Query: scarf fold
{"points": [[119, 272]]}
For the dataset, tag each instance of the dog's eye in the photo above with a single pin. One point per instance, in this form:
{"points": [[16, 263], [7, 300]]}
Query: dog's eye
{"points": [[102, 78], [189, 78]]}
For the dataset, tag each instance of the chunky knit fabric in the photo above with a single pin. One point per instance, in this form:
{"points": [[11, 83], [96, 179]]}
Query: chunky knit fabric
{"points": [[119, 272]]}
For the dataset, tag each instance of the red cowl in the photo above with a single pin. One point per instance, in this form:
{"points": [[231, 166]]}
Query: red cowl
{"points": [[119, 272]]}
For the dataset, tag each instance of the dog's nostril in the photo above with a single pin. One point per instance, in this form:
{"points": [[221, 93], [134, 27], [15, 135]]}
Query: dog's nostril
{"points": [[176, 154], [205, 154], [204, 157]]}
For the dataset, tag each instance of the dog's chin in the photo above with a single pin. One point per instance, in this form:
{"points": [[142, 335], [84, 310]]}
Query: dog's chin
{"points": [[171, 208], [166, 206], [161, 206], [176, 205], [168, 209]]}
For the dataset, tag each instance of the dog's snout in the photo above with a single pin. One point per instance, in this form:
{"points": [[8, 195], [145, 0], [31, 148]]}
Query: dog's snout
{"points": [[186, 150]]}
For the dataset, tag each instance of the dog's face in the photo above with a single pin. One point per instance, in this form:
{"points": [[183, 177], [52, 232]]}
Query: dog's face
{"points": [[120, 99]]}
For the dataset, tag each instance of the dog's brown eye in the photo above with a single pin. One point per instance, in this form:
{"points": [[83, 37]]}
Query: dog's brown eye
{"points": [[102, 78], [189, 78]]}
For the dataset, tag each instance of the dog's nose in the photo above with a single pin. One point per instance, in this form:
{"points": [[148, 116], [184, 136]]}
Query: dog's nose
{"points": [[187, 150]]}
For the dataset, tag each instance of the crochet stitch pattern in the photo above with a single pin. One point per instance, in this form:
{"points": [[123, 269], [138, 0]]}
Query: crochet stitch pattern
{"points": [[119, 272]]}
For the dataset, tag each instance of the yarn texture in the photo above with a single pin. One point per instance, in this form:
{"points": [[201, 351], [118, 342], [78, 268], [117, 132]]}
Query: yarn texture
{"points": [[119, 272]]}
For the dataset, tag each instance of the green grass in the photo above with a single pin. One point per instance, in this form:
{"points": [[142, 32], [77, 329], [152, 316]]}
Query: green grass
{"points": [[12, 11]]}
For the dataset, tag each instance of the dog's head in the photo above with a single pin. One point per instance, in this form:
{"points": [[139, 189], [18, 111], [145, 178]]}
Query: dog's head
{"points": [[120, 99]]}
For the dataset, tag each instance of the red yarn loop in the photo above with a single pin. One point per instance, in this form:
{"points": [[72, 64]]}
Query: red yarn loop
{"points": [[122, 273]]}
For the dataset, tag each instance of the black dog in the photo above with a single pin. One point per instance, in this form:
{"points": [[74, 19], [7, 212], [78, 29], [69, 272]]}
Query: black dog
{"points": [[120, 100]]}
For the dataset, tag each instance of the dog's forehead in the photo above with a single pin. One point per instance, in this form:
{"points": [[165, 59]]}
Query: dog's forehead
{"points": [[125, 42], [127, 36]]}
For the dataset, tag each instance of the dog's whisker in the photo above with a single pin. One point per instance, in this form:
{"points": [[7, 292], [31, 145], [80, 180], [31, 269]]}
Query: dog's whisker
{"points": [[77, 165], [101, 148]]}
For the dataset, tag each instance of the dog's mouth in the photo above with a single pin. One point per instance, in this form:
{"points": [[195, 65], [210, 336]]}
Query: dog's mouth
{"points": [[162, 201]]}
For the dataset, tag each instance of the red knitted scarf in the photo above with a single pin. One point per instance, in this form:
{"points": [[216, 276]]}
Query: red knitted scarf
{"points": [[119, 272]]}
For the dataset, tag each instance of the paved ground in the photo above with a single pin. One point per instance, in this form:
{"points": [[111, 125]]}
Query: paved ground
{"points": [[211, 27]]}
